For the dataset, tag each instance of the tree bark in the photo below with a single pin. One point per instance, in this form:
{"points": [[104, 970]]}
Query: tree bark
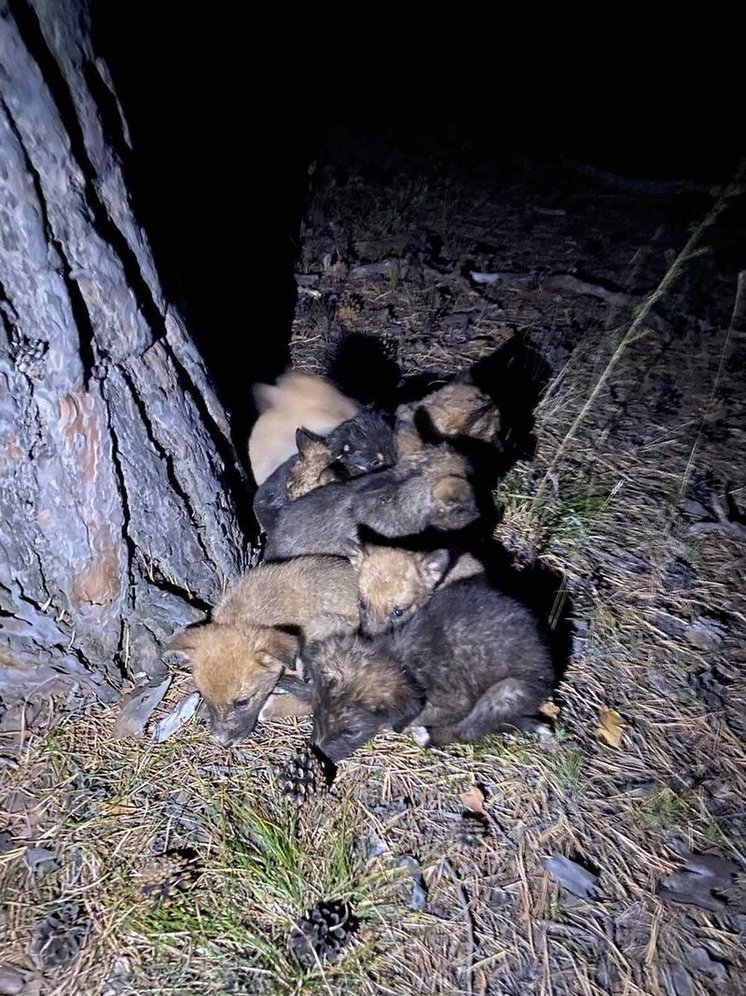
{"points": [[123, 508]]}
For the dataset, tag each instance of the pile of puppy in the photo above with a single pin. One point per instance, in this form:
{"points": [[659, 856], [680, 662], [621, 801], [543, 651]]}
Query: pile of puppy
{"points": [[367, 611]]}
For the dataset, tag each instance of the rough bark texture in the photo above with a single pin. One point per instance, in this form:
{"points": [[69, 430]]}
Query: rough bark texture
{"points": [[120, 497]]}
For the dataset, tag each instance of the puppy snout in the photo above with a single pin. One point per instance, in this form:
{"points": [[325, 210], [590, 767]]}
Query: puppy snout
{"points": [[224, 738]]}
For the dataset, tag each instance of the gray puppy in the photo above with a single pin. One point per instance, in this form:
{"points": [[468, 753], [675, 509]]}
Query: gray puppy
{"points": [[471, 662], [427, 488], [361, 445]]}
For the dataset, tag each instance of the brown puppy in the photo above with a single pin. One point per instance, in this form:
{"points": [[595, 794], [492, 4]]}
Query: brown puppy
{"points": [[456, 410], [238, 658], [395, 583], [236, 669], [313, 468]]}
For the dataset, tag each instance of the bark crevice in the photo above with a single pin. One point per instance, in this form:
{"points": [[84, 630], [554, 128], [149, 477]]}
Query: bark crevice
{"points": [[123, 508]]}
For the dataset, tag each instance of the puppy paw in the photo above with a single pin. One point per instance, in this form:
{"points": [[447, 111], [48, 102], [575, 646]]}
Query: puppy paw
{"points": [[420, 735]]}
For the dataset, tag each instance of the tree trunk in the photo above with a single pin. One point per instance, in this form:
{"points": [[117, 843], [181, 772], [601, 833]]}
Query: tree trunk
{"points": [[121, 499]]}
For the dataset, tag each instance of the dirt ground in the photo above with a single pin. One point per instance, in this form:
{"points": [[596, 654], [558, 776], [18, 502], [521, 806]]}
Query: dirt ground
{"points": [[602, 856]]}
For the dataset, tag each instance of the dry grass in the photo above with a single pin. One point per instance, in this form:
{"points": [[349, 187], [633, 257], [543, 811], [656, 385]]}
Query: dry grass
{"points": [[660, 607]]}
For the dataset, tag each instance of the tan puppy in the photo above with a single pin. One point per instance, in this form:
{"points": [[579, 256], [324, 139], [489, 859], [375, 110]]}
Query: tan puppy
{"points": [[396, 583], [454, 410], [296, 400], [238, 658]]}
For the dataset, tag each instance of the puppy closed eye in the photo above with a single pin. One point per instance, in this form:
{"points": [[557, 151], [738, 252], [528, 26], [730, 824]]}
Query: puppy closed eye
{"points": [[241, 703]]}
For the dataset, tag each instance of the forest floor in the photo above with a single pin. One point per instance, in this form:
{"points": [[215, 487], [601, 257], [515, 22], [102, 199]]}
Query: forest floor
{"points": [[601, 857]]}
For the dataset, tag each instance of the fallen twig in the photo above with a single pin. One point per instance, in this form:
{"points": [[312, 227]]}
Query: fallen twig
{"points": [[566, 282], [470, 946]]}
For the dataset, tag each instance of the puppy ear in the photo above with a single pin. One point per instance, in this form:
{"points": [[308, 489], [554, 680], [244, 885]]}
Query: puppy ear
{"points": [[183, 642], [354, 553], [451, 491], [355, 550], [308, 442], [433, 566], [280, 649]]}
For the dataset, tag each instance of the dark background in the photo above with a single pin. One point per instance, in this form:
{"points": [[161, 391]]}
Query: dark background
{"points": [[225, 121]]}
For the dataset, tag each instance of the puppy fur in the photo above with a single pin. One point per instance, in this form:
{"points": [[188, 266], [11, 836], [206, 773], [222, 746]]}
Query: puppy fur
{"points": [[293, 593], [363, 444], [456, 410], [429, 488], [469, 663], [395, 583], [238, 658], [360, 445], [295, 400]]}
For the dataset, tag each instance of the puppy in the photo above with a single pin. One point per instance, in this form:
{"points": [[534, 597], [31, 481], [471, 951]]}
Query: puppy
{"points": [[363, 444], [257, 632], [295, 400], [395, 583], [429, 488], [236, 669], [456, 410], [469, 663]]}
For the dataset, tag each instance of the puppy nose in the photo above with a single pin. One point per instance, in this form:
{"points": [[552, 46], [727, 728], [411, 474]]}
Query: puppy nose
{"points": [[224, 737]]}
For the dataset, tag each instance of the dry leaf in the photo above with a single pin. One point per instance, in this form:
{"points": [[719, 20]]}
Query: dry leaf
{"points": [[119, 808], [572, 876], [612, 727], [473, 799], [549, 709], [180, 714], [136, 708]]}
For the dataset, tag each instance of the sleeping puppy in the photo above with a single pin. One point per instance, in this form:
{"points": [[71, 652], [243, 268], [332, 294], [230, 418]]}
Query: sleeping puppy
{"points": [[256, 635], [430, 488], [469, 663]]}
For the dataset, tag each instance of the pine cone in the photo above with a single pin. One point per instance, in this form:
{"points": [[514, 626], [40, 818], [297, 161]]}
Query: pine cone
{"points": [[350, 307], [303, 776], [323, 933], [472, 831], [58, 939], [166, 874], [389, 344]]}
